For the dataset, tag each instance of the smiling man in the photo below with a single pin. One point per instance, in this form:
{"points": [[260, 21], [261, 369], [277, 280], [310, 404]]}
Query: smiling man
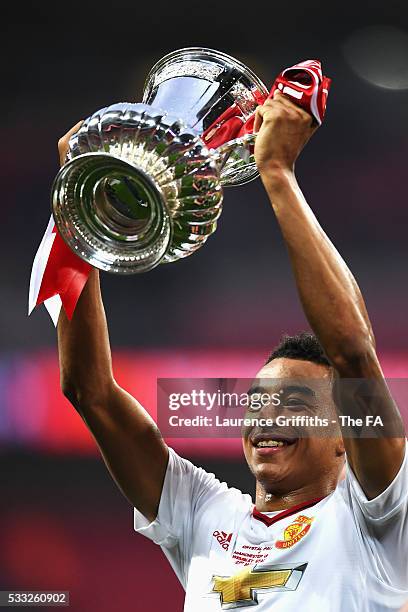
{"points": [[302, 454], [314, 541]]}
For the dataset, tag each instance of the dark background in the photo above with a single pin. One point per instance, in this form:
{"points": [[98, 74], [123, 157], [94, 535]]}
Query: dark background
{"points": [[63, 524]]}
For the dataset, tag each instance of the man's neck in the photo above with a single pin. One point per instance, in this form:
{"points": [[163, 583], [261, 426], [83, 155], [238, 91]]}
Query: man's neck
{"points": [[268, 501]]}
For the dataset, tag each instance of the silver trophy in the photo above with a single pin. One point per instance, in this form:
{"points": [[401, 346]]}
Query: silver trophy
{"points": [[143, 184]]}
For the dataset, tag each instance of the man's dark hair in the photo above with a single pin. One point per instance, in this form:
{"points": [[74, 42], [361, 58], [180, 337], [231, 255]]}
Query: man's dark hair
{"points": [[304, 346]]}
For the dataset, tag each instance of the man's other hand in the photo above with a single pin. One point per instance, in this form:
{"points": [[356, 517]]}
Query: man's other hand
{"points": [[63, 143], [283, 130]]}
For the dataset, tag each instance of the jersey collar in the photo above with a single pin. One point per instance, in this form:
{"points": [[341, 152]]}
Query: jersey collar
{"points": [[271, 520]]}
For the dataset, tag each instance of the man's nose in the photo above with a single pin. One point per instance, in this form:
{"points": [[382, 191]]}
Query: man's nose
{"points": [[272, 411]]}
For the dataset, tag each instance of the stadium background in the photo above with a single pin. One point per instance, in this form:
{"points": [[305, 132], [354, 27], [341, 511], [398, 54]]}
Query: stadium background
{"points": [[63, 524]]}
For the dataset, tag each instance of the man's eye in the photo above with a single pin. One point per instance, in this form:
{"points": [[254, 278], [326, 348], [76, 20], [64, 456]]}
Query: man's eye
{"points": [[254, 405], [295, 404]]}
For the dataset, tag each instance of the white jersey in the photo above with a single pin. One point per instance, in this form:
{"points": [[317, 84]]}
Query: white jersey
{"points": [[340, 554]]}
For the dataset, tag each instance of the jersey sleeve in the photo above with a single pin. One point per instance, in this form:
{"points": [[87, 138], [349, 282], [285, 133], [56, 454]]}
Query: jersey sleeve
{"points": [[383, 524], [186, 489]]}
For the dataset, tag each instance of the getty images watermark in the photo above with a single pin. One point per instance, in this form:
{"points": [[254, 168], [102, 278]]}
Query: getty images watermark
{"points": [[299, 407]]}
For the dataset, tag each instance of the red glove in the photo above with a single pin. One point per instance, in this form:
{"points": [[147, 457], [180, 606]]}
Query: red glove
{"points": [[303, 83]]}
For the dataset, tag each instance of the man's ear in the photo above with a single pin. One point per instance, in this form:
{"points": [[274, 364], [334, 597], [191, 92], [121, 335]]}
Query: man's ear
{"points": [[341, 452], [340, 448]]}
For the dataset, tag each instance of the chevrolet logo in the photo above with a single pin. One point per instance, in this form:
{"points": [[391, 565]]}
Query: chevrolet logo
{"points": [[242, 588]]}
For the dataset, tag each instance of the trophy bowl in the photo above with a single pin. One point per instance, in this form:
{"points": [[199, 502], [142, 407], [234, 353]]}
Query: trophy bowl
{"points": [[143, 183], [200, 85]]}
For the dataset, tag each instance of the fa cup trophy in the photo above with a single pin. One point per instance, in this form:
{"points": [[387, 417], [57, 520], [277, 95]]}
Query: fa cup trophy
{"points": [[143, 183]]}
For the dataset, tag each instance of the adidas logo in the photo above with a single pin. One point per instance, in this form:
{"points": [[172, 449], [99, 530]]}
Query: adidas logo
{"points": [[223, 538]]}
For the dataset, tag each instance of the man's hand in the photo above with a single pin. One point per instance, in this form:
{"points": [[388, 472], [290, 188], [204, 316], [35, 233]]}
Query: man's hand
{"points": [[63, 143], [283, 130]]}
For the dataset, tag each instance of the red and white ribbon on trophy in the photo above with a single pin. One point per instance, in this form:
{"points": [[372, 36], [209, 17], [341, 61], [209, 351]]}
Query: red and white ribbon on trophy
{"points": [[58, 276]]}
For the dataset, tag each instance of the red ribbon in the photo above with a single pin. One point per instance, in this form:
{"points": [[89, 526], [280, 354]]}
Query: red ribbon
{"points": [[65, 274]]}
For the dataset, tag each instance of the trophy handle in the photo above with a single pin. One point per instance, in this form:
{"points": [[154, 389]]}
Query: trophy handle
{"points": [[240, 148], [243, 141]]}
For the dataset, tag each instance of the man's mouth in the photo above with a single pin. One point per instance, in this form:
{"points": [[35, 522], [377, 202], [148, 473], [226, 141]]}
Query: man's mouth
{"points": [[268, 444]]}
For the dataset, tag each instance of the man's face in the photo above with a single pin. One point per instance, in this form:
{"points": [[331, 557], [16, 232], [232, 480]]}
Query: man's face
{"points": [[282, 458]]}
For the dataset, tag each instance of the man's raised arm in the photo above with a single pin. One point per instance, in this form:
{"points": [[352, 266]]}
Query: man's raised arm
{"points": [[330, 296], [128, 438]]}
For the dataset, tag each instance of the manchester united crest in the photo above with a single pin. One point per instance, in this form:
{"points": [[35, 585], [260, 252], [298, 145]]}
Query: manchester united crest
{"points": [[295, 531]]}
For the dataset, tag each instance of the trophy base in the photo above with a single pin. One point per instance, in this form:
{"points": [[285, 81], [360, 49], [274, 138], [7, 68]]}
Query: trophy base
{"points": [[111, 213]]}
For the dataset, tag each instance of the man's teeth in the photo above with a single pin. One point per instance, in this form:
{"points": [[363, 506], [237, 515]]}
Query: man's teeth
{"points": [[266, 443]]}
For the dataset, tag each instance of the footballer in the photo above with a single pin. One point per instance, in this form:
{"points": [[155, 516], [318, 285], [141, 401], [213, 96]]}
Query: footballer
{"points": [[328, 529]]}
